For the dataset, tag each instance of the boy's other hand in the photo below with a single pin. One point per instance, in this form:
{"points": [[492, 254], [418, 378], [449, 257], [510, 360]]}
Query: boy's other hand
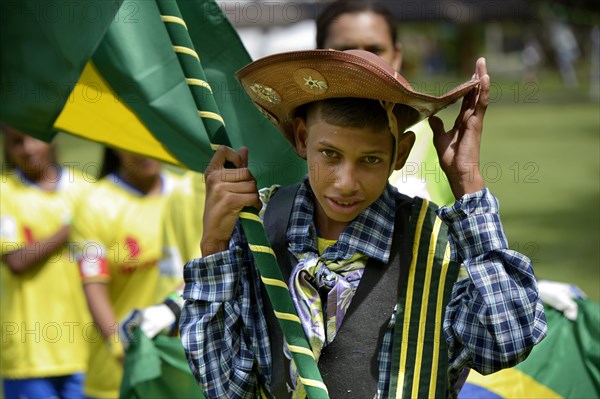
{"points": [[459, 148], [228, 191]]}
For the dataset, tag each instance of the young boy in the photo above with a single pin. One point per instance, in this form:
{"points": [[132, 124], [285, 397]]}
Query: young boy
{"points": [[43, 313], [376, 291]]}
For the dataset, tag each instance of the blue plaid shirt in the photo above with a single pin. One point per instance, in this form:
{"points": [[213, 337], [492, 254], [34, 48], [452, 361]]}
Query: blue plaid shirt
{"points": [[492, 321]]}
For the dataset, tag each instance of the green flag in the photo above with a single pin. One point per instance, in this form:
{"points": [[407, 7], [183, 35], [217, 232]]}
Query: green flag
{"points": [[45, 46], [157, 369], [107, 71]]}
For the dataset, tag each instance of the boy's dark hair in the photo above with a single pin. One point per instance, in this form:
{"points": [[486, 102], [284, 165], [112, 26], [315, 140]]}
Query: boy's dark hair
{"points": [[348, 112], [337, 8], [8, 163], [110, 163], [356, 112]]}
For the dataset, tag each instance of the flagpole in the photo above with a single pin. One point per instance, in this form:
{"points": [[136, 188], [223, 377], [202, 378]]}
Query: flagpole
{"points": [[258, 243]]}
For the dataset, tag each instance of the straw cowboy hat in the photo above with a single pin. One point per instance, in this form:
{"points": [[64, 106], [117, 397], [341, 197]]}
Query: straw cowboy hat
{"points": [[280, 83]]}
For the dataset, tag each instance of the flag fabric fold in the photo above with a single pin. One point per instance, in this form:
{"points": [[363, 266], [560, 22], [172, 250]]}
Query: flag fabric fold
{"points": [[45, 46], [157, 369], [106, 71]]}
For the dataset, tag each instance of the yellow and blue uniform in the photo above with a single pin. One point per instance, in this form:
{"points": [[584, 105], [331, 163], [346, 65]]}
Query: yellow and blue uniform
{"points": [[44, 315], [121, 244], [183, 222]]}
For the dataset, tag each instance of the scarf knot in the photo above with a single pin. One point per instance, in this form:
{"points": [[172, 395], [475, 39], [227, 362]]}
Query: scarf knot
{"points": [[322, 291]]}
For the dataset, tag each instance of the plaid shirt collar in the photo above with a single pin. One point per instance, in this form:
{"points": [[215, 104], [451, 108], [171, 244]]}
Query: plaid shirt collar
{"points": [[369, 234]]}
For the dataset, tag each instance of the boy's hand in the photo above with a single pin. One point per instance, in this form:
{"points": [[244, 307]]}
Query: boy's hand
{"points": [[228, 191], [459, 148]]}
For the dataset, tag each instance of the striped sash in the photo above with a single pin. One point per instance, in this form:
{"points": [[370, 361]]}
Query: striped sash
{"points": [[264, 256]]}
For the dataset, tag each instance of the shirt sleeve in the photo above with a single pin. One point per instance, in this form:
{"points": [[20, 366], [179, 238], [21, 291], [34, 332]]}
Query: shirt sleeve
{"points": [[495, 316], [223, 330]]}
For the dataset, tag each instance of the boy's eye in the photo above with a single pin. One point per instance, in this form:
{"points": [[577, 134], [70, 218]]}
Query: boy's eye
{"points": [[329, 153], [372, 160]]}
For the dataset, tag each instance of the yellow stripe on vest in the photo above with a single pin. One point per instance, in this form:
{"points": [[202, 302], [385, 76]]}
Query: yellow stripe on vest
{"points": [[286, 316], [273, 281], [250, 216], [198, 82], [186, 50], [211, 115], [408, 303], [439, 312], [261, 248], [300, 349], [313, 383], [173, 19], [424, 303]]}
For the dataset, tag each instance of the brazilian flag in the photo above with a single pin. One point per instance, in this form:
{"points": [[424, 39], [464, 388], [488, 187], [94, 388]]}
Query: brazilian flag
{"points": [[107, 71], [566, 364], [157, 369]]}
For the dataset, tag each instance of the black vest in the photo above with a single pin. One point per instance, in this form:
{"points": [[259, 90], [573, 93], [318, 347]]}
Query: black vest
{"points": [[349, 364]]}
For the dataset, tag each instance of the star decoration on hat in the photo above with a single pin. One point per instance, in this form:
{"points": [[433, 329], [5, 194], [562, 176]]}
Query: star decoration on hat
{"points": [[314, 83], [266, 93]]}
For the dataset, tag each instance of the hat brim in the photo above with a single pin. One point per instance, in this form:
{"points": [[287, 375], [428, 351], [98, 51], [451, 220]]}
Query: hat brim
{"points": [[280, 83]]}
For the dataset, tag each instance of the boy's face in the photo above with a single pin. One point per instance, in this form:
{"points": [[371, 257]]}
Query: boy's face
{"points": [[136, 167], [27, 153], [348, 169]]}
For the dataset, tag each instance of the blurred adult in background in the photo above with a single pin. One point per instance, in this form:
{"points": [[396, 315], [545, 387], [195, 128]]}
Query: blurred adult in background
{"points": [[121, 237], [369, 25], [567, 51], [43, 314], [362, 24]]}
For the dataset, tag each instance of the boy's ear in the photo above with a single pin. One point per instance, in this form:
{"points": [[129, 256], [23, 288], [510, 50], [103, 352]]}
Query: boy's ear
{"points": [[300, 136], [405, 144]]}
